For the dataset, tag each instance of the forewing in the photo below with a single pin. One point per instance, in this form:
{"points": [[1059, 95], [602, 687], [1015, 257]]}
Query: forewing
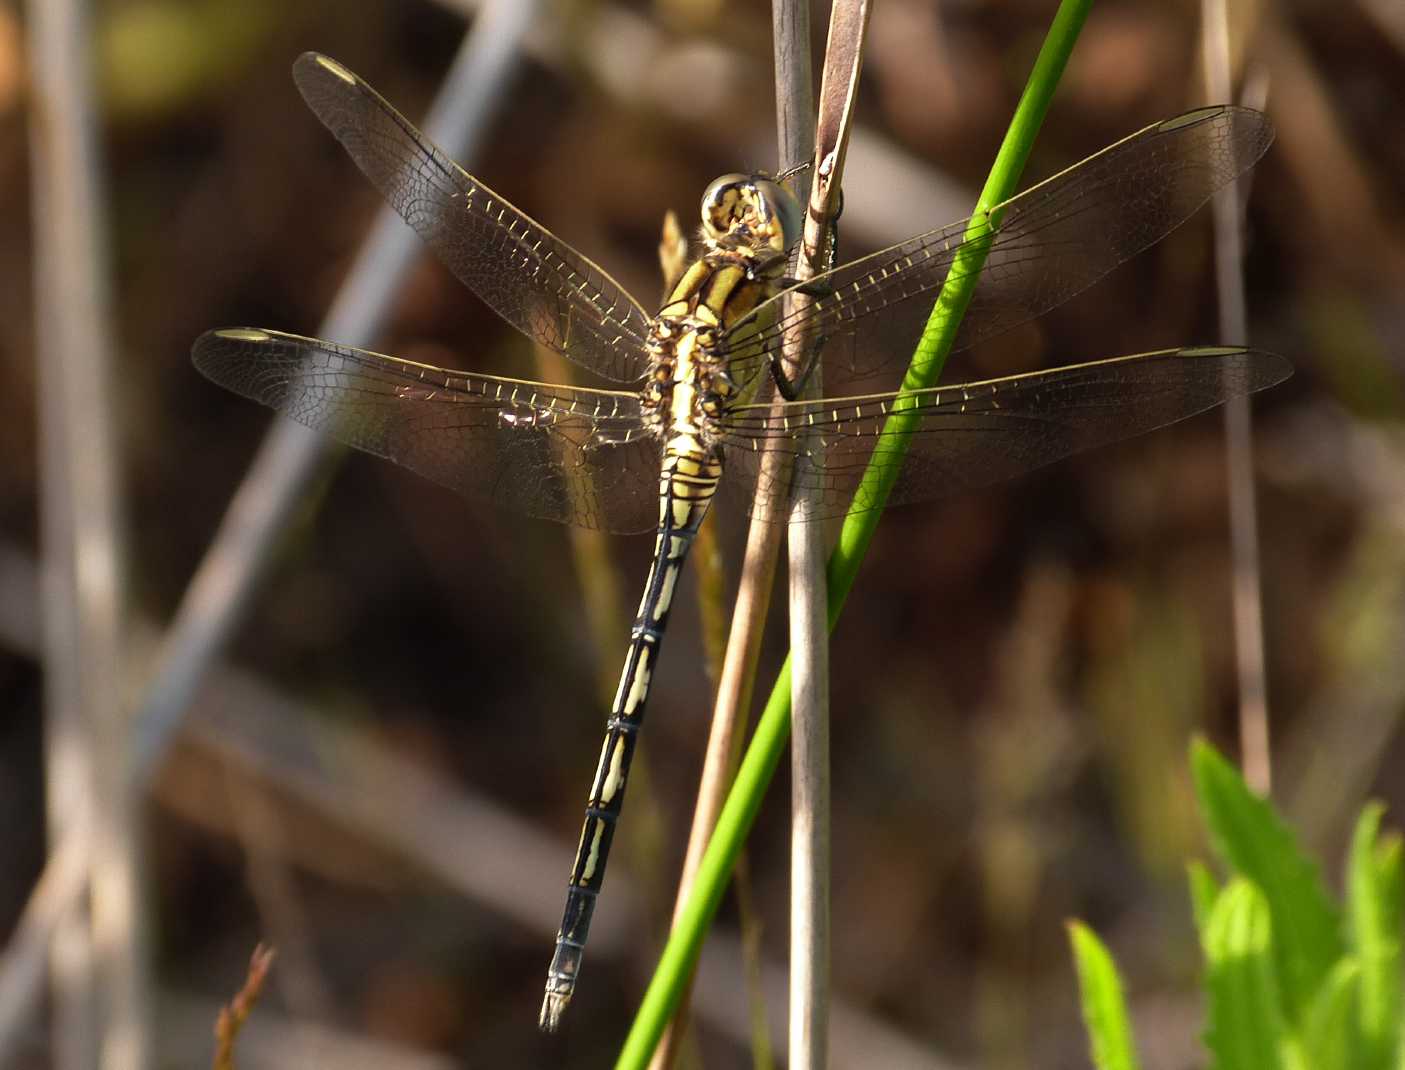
{"points": [[534, 280], [974, 434], [562, 453], [1045, 245]]}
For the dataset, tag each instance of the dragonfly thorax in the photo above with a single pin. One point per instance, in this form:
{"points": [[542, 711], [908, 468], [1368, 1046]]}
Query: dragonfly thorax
{"points": [[688, 386]]}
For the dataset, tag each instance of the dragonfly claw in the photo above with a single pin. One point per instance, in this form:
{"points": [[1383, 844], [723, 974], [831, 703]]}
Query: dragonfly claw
{"points": [[553, 1007]]}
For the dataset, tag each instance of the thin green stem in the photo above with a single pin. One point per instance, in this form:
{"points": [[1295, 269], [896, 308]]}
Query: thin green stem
{"points": [[759, 764]]}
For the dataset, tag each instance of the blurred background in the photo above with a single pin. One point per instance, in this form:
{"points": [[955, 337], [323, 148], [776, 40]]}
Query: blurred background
{"points": [[383, 772]]}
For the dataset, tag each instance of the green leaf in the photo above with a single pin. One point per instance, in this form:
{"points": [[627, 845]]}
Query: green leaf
{"points": [[1247, 1028], [1390, 867], [1204, 890], [1255, 842], [1104, 1007], [1373, 888], [1328, 1033]]}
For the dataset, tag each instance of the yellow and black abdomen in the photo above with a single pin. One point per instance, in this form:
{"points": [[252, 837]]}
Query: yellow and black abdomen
{"points": [[687, 386]]}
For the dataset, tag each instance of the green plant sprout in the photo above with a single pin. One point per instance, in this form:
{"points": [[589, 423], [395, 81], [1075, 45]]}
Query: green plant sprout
{"points": [[1292, 982]]}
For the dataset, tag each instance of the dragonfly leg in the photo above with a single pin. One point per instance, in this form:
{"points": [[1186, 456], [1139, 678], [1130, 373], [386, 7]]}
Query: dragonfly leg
{"points": [[809, 289], [789, 388]]}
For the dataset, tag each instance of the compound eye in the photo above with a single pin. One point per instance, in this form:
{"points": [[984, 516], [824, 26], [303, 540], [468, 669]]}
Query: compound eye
{"points": [[783, 214], [724, 205]]}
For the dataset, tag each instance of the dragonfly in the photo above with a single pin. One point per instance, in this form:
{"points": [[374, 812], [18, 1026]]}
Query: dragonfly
{"points": [[702, 386]]}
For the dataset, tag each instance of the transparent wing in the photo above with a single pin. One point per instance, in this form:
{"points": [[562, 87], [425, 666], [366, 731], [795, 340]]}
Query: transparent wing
{"points": [[562, 453], [973, 434], [1047, 244], [526, 274]]}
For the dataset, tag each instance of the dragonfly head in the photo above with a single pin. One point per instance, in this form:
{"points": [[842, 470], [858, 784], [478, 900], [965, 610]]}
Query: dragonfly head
{"points": [[748, 212]]}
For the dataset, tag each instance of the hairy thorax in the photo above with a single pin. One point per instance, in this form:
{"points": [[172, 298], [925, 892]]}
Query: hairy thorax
{"points": [[690, 385]]}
